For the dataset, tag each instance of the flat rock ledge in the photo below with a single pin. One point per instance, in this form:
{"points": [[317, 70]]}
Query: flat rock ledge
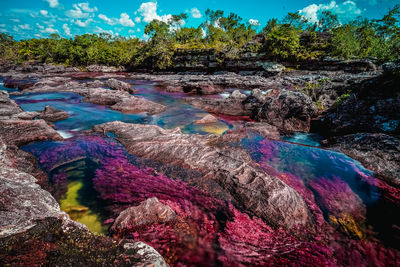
{"points": [[232, 168]]}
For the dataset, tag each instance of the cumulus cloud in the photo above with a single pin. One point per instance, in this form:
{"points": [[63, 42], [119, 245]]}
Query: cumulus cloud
{"points": [[24, 27], [126, 21], [254, 22], [67, 30], [85, 7], [49, 30], [345, 11], [107, 19], [39, 26], [80, 11], [148, 11], [195, 12], [15, 20], [138, 19], [83, 23], [53, 3], [44, 12], [100, 30]]}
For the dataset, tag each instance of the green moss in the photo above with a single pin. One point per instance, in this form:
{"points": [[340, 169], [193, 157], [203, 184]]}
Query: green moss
{"points": [[78, 212]]}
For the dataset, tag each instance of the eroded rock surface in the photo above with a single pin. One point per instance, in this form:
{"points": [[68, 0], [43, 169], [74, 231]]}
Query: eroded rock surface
{"points": [[264, 195], [119, 85], [148, 212], [378, 152], [290, 111], [34, 232]]}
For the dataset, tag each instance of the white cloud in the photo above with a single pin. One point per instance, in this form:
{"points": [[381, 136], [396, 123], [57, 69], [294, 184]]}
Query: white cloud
{"points": [[100, 30], [138, 19], [24, 27], [67, 30], [44, 12], [53, 3], [85, 7], [2, 25], [39, 26], [15, 20], [126, 21], [195, 12], [148, 11], [138, 30], [345, 11], [254, 22], [83, 23], [49, 30], [107, 19], [80, 11]]}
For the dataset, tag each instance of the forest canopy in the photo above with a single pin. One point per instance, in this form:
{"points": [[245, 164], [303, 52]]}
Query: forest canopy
{"points": [[292, 38]]}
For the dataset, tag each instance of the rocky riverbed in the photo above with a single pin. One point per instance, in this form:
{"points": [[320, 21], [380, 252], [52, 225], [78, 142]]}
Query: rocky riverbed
{"points": [[106, 168]]}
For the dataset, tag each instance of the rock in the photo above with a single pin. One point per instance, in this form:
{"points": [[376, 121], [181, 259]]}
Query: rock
{"points": [[231, 167], [207, 119], [51, 114], [237, 95], [373, 106], [138, 105], [148, 212], [377, 152], [120, 85], [21, 132], [101, 68], [290, 112], [8, 107], [259, 95], [33, 230], [201, 88], [118, 100], [227, 106]]}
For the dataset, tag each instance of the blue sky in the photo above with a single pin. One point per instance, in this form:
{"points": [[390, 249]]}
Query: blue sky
{"points": [[38, 18]]}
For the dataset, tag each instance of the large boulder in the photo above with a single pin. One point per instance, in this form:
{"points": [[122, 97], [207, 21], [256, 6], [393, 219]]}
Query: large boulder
{"points": [[289, 111], [51, 114], [21, 132], [230, 167], [378, 152], [373, 106], [119, 85], [148, 212]]}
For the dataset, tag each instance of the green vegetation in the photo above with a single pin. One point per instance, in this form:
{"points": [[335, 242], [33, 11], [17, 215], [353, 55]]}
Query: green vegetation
{"points": [[291, 39]]}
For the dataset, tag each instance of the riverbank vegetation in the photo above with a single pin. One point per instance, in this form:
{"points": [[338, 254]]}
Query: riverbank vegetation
{"points": [[292, 38]]}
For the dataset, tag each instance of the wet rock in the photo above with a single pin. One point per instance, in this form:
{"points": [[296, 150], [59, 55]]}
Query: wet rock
{"points": [[373, 106], [237, 95], [21, 132], [231, 167], [138, 105], [51, 114], [377, 152], [290, 111], [34, 232], [118, 100], [102, 68], [207, 119], [8, 107], [148, 212], [120, 85], [227, 106]]}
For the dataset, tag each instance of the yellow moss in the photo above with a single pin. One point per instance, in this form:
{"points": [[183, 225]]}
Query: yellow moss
{"points": [[348, 225], [78, 212], [214, 128]]}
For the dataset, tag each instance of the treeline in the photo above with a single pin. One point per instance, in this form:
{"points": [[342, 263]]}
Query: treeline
{"points": [[291, 39]]}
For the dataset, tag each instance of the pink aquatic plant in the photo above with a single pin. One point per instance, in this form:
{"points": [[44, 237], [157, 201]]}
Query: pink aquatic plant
{"points": [[206, 228]]}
